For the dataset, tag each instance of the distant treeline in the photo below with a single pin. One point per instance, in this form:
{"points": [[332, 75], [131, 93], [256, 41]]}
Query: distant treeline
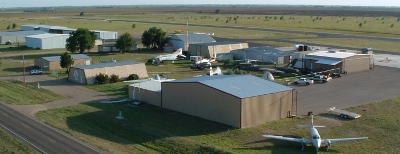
{"points": [[40, 10]]}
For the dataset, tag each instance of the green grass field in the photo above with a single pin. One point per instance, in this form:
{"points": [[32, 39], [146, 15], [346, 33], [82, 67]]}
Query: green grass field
{"points": [[149, 129], [15, 92], [9, 144]]}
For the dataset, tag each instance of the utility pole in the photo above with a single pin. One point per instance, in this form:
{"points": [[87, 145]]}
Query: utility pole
{"points": [[187, 33], [23, 65]]}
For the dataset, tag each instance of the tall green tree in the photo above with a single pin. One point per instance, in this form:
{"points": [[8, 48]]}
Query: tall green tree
{"points": [[14, 26], [217, 11], [80, 40], [66, 61], [8, 27], [154, 38], [82, 14], [125, 42]]}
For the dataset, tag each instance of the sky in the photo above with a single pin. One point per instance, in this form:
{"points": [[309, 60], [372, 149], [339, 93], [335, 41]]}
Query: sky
{"points": [[45, 3]]}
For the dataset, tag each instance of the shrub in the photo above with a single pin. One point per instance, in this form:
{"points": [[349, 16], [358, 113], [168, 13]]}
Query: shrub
{"points": [[132, 77], [114, 78], [102, 78]]}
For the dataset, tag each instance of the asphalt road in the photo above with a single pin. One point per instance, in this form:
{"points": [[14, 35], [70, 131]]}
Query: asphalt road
{"points": [[352, 89], [40, 136]]}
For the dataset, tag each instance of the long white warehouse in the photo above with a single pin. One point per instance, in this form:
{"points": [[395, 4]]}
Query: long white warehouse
{"points": [[46, 41]]}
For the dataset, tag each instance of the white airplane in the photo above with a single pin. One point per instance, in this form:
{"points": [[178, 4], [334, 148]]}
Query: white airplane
{"points": [[315, 139], [156, 77], [174, 56]]}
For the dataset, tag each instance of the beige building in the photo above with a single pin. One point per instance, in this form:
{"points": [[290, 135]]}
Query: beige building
{"points": [[53, 62], [237, 100], [344, 62], [209, 49], [86, 74], [146, 92]]}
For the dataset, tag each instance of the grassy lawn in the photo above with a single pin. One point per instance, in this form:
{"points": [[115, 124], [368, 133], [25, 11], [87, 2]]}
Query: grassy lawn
{"points": [[19, 93], [9, 144], [149, 129]]}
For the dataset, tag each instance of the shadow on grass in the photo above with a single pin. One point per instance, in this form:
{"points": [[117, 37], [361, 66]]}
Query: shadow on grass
{"points": [[146, 125]]}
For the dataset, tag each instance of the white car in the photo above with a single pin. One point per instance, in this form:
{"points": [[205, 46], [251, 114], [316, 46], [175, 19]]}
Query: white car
{"points": [[35, 72], [303, 81]]}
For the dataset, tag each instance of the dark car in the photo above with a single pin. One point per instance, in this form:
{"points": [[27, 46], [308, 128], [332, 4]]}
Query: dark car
{"points": [[336, 75]]}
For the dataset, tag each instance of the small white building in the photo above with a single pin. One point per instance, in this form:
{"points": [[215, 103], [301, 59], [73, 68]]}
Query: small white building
{"points": [[46, 41], [106, 34]]}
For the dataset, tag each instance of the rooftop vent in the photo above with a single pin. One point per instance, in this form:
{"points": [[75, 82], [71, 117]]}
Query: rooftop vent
{"points": [[332, 51]]}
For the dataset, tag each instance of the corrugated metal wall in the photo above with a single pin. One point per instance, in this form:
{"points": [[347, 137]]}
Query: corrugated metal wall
{"points": [[266, 108], [199, 100], [145, 96], [356, 63]]}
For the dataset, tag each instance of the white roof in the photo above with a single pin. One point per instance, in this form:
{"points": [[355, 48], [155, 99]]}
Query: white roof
{"points": [[331, 54], [47, 35], [327, 61], [150, 85]]}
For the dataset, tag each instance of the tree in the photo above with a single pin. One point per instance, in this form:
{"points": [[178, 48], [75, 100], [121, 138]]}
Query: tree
{"points": [[217, 11], [133, 25], [360, 25], [154, 38], [8, 27], [82, 14], [14, 25], [66, 61], [125, 42], [80, 40]]}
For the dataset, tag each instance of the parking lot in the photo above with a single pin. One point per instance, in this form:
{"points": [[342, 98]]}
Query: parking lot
{"points": [[352, 89]]}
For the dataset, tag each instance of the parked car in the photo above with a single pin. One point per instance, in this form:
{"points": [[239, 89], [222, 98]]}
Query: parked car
{"points": [[35, 72], [336, 75], [321, 78], [303, 81]]}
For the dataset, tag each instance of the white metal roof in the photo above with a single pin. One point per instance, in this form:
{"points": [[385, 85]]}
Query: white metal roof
{"points": [[73, 56], [327, 61], [46, 35], [242, 86], [150, 85], [331, 54]]}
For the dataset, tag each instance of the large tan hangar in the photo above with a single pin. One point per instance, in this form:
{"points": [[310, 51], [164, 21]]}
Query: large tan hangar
{"points": [[237, 100], [209, 49], [46, 41], [53, 62], [345, 62], [85, 74]]}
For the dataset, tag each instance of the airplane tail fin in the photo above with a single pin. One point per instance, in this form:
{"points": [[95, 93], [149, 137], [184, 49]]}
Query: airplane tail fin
{"points": [[312, 124], [179, 51]]}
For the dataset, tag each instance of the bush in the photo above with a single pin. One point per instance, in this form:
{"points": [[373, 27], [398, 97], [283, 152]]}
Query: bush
{"points": [[102, 78], [132, 77], [114, 78]]}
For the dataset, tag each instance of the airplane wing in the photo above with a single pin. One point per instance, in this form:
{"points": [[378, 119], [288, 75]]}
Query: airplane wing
{"points": [[326, 141], [300, 140]]}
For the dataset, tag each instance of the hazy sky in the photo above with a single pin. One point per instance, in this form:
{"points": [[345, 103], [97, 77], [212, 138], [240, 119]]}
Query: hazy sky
{"points": [[43, 3]]}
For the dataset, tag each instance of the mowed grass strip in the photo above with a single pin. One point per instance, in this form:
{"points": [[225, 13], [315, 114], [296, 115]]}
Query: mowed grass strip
{"points": [[150, 129], [9, 144], [19, 93], [145, 129]]}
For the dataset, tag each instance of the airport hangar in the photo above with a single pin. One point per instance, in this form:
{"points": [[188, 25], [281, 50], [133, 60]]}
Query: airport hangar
{"points": [[46, 41], [209, 49], [183, 40], [85, 74], [53, 62], [16, 36], [240, 101], [344, 62]]}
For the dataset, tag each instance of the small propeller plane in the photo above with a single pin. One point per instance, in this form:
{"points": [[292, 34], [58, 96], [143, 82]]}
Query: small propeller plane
{"points": [[177, 55], [315, 139]]}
